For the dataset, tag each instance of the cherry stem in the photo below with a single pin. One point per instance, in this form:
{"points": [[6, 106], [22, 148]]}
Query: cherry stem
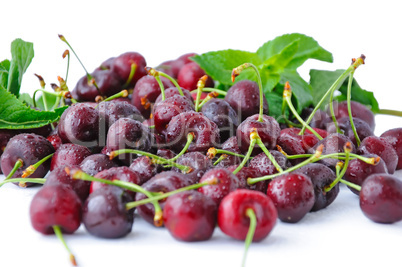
{"points": [[390, 112], [315, 157], [352, 185], [287, 95], [222, 157], [236, 72], [18, 164], [131, 75], [183, 168], [42, 85], [67, 54], [78, 174], [348, 97], [253, 141], [32, 168], [190, 138], [162, 87], [23, 181], [207, 98], [59, 235], [348, 149], [173, 81], [335, 86], [269, 155], [133, 204], [200, 86], [213, 151], [250, 234], [208, 89], [123, 93]]}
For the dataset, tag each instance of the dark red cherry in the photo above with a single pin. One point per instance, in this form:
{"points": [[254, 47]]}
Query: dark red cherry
{"points": [[190, 216], [293, 143], [172, 91], [234, 222], [249, 172], [189, 76], [358, 111], [69, 154], [55, 204], [232, 146], [293, 196], [206, 132], [381, 198], [105, 215], [55, 140], [382, 148], [198, 162], [363, 130], [5, 136], [265, 166], [96, 163], [121, 65], [394, 137], [145, 168], [244, 97]]}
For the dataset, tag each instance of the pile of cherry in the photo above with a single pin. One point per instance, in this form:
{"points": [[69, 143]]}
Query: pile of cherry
{"points": [[190, 160]]}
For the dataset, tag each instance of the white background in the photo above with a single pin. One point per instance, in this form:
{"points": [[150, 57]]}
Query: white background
{"points": [[162, 30]]}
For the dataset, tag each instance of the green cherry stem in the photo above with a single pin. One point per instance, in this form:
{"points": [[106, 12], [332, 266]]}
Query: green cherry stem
{"points": [[200, 87], [253, 140], [131, 75], [208, 89], [390, 112], [222, 157], [352, 185], [190, 138], [207, 98], [269, 155], [183, 168], [173, 81], [59, 235], [287, 95], [133, 204], [347, 148], [18, 164], [335, 86], [250, 234], [67, 54], [23, 181], [42, 85], [123, 93], [213, 151], [32, 168], [236, 72], [348, 97], [315, 157]]}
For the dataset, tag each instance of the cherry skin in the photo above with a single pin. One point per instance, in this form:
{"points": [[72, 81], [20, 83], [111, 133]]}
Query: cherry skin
{"points": [[394, 137], [69, 154], [79, 124], [5, 136], [232, 219], [265, 166], [381, 198], [321, 176], [121, 66], [230, 145], [268, 130], [206, 132], [293, 196], [55, 204], [144, 167], [96, 163], [105, 215], [190, 216], [146, 91], [363, 130], [382, 148], [198, 162], [172, 91], [358, 111], [30, 148], [54, 139], [358, 170], [227, 182], [249, 172], [244, 97], [189, 75]]}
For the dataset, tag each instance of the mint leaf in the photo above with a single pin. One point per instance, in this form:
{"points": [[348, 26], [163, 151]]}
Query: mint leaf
{"points": [[280, 61], [321, 81], [4, 69], [16, 115], [308, 48], [274, 100], [219, 64], [301, 90], [22, 53]]}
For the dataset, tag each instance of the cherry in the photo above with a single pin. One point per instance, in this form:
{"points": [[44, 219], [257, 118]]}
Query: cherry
{"points": [[172, 91], [105, 214], [165, 110], [146, 91], [5, 136], [189, 75], [358, 170], [249, 172], [69, 154], [230, 145], [79, 124], [55, 140], [394, 137], [206, 132], [265, 166], [96, 163], [381, 198], [363, 130], [293, 196], [358, 111], [131, 134], [227, 182], [381, 147], [122, 65], [198, 162], [321, 176], [55, 204], [144, 167], [28, 148], [190, 216], [162, 182], [268, 129], [122, 173], [223, 115], [172, 67], [244, 97]]}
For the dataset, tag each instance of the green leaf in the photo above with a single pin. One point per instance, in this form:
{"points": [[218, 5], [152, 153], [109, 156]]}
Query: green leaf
{"points": [[219, 64], [301, 90], [22, 53], [274, 100], [4, 69], [321, 81], [280, 61], [308, 48], [16, 115], [26, 98]]}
